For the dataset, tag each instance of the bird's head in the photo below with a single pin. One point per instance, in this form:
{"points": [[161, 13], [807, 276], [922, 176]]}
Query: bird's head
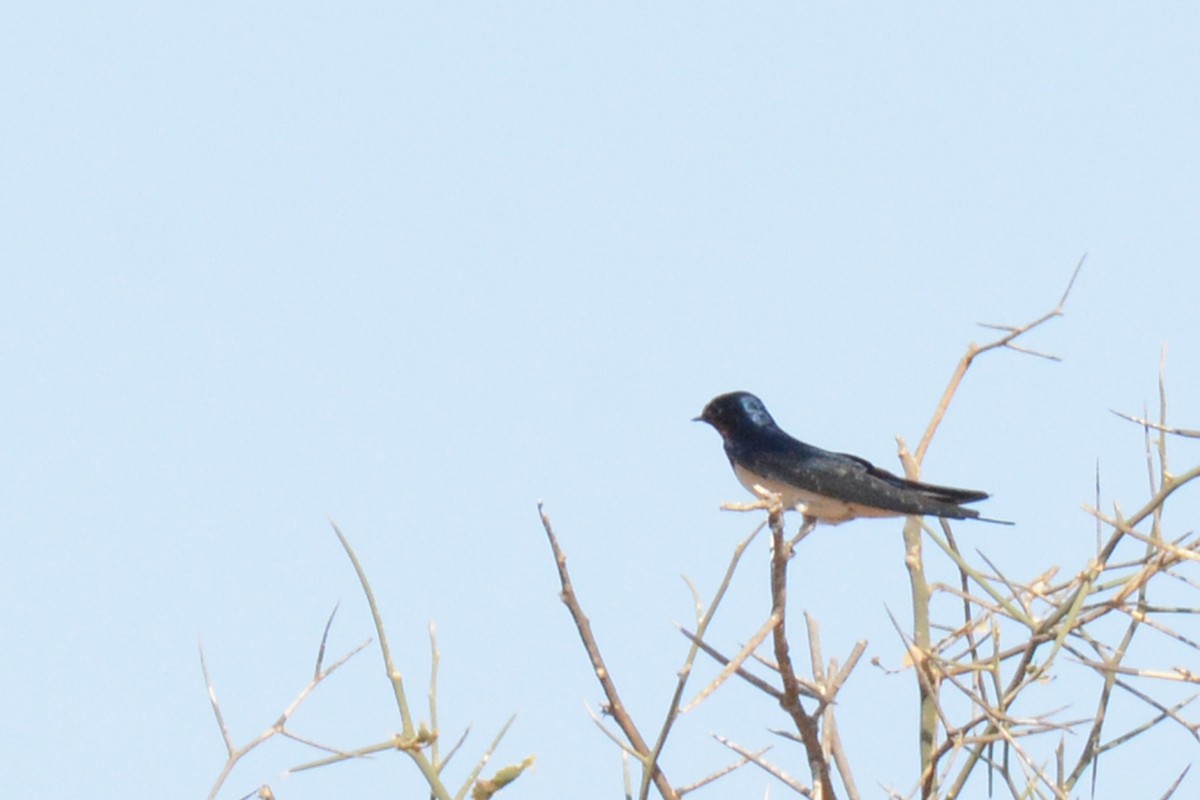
{"points": [[736, 411]]}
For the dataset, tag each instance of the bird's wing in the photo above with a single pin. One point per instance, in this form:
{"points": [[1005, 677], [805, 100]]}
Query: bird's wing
{"points": [[947, 494], [855, 480]]}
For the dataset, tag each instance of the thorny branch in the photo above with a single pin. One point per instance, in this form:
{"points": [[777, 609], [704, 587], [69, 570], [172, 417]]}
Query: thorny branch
{"points": [[807, 725], [279, 727], [1007, 636], [1049, 618], [616, 708], [823, 751], [928, 676]]}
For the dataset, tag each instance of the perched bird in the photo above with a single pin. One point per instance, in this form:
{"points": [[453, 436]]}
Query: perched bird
{"points": [[824, 486]]}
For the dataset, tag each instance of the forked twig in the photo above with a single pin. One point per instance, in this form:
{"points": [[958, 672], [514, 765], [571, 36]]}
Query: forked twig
{"points": [[734, 665], [279, 727], [758, 760], [975, 350], [749, 677]]}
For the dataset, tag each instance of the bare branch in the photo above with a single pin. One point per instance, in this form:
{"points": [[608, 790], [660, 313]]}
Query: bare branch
{"points": [[279, 727], [703, 620], [749, 677], [806, 725], [975, 350], [616, 706], [775, 771], [722, 772], [1190, 433], [1174, 786], [733, 665], [216, 706], [485, 758]]}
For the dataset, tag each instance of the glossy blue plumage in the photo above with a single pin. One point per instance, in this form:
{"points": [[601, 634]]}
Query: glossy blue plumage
{"points": [[830, 487]]}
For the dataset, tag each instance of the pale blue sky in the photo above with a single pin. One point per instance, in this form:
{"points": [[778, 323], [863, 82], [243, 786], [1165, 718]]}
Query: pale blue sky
{"points": [[414, 267]]}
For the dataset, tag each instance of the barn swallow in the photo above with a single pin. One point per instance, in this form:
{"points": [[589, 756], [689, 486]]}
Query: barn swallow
{"points": [[824, 486]]}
